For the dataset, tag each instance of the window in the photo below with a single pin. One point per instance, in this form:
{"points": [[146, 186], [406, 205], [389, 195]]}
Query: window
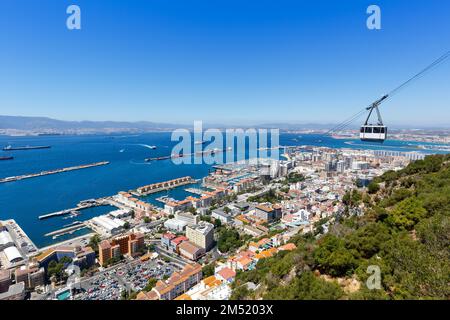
{"points": [[382, 129], [376, 130], [368, 130], [362, 129]]}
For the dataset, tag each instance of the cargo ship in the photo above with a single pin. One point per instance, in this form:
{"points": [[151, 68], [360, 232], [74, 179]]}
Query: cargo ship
{"points": [[11, 148], [6, 158]]}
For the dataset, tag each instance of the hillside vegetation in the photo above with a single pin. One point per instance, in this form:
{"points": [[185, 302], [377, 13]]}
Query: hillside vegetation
{"points": [[405, 231]]}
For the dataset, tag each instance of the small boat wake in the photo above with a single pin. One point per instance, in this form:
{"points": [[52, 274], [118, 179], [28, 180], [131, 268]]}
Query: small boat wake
{"points": [[146, 146], [121, 150]]}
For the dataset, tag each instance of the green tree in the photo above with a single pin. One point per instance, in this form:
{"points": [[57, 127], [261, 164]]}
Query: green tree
{"points": [[94, 241], [406, 214], [151, 283], [208, 270], [306, 287], [333, 258], [373, 187], [229, 239]]}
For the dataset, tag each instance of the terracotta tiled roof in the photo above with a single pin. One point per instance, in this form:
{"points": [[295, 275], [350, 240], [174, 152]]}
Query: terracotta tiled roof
{"points": [[227, 273], [287, 246]]}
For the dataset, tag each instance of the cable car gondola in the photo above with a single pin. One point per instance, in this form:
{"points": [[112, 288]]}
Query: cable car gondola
{"points": [[374, 132], [378, 132]]}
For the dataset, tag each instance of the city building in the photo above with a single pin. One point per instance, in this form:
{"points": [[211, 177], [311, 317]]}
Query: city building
{"points": [[190, 250], [268, 212], [176, 285], [32, 275], [226, 275], [166, 239], [130, 244], [15, 292], [107, 226], [5, 280], [174, 243], [105, 253], [210, 288], [5, 239], [187, 217], [175, 225], [12, 254], [221, 215], [202, 234], [141, 208]]}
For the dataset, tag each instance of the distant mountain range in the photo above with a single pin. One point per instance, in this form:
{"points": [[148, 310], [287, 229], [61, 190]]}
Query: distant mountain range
{"points": [[43, 123], [49, 125]]}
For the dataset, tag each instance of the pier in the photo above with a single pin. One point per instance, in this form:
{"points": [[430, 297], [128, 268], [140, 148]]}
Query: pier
{"points": [[49, 172], [184, 155], [197, 191], [66, 230], [82, 205]]}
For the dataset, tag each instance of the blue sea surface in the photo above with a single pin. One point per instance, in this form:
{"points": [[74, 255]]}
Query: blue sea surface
{"points": [[27, 199]]}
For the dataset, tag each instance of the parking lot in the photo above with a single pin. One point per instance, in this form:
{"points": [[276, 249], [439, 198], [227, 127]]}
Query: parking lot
{"points": [[108, 285]]}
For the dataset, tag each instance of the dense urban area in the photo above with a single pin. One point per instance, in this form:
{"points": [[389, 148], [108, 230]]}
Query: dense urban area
{"points": [[310, 226]]}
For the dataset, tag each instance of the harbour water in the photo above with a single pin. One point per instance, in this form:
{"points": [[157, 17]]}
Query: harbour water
{"points": [[25, 200]]}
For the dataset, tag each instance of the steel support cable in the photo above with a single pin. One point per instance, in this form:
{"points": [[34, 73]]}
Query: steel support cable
{"points": [[417, 76], [420, 74]]}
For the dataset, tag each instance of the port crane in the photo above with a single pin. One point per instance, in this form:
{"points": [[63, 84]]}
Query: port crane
{"points": [[377, 132]]}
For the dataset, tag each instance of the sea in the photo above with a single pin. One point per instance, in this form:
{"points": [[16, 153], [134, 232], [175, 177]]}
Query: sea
{"points": [[27, 199]]}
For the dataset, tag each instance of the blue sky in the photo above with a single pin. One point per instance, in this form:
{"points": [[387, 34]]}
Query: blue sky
{"points": [[223, 61]]}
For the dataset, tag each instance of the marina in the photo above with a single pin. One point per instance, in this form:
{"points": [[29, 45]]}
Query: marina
{"points": [[45, 173], [197, 191], [67, 230], [74, 211], [66, 191]]}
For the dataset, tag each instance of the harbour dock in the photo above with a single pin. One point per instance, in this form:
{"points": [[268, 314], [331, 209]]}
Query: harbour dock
{"points": [[82, 205], [198, 153], [24, 244], [66, 230], [197, 191], [49, 172]]}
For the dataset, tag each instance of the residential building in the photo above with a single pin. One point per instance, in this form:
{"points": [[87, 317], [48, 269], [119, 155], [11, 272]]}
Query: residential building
{"points": [[190, 250], [268, 212], [5, 280], [226, 275], [187, 217], [82, 257], [130, 244], [202, 234], [221, 215], [15, 292], [176, 285], [175, 225], [32, 275]]}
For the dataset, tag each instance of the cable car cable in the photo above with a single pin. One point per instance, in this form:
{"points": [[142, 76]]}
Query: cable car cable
{"points": [[375, 105]]}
